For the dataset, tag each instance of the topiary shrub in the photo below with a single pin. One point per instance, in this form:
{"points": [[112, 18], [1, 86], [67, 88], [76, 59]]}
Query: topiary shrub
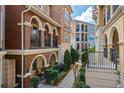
{"points": [[51, 75], [35, 81]]}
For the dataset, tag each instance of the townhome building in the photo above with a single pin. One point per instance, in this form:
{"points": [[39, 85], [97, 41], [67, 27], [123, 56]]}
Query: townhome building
{"points": [[84, 33], [62, 15], [110, 33], [32, 40]]}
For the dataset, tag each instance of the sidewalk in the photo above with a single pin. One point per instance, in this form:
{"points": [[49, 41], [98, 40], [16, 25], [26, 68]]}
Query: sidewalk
{"points": [[68, 80]]}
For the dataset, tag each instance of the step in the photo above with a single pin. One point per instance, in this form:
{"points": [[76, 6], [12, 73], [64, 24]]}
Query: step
{"points": [[101, 83]]}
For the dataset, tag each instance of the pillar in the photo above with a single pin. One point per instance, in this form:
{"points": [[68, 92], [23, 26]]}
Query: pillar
{"points": [[51, 40], [0, 71], [121, 63], [109, 51]]}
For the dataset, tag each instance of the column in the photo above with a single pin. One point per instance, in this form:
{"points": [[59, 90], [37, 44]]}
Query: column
{"points": [[51, 40], [121, 63], [0, 71], [109, 51]]}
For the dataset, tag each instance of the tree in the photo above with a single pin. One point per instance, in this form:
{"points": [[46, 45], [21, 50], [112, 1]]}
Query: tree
{"points": [[67, 59], [74, 55]]}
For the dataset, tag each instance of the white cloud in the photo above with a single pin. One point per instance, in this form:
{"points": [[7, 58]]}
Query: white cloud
{"points": [[86, 16]]}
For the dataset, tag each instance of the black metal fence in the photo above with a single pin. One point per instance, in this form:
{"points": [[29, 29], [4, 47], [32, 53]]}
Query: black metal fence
{"points": [[103, 60]]}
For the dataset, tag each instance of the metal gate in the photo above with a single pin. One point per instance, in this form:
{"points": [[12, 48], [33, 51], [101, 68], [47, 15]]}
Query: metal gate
{"points": [[102, 60]]}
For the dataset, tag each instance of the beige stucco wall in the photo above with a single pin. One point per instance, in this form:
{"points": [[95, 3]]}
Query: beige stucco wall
{"points": [[119, 25]]}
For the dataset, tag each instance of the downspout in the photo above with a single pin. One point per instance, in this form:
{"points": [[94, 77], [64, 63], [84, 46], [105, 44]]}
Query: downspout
{"points": [[22, 42]]}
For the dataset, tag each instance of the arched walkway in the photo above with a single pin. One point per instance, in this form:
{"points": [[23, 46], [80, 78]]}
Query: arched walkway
{"points": [[53, 59], [38, 62], [114, 39]]}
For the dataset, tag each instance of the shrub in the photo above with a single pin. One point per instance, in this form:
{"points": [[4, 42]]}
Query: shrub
{"points": [[35, 81], [60, 75], [51, 75], [60, 67], [81, 84], [82, 69], [76, 55], [84, 58], [82, 76]]}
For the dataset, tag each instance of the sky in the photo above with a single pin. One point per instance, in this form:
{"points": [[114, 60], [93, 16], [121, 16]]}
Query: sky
{"points": [[82, 13]]}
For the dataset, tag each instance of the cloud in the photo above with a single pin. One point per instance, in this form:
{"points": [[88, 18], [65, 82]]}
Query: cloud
{"points": [[86, 16]]}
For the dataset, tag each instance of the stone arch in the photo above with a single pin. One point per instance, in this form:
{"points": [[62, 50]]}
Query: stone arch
{"points": [[49, 27], [38, 20], [56, 31], [112, 33], [56, 58], [44, 60]]}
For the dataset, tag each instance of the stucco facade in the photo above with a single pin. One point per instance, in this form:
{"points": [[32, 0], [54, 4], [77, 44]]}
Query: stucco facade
{"points": [[21, 23], [84, 33], [110, 25]]}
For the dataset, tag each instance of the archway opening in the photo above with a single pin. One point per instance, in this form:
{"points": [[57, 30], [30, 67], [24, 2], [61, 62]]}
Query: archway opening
{"points": [[115, 40], [37, 66], [52, 60]]}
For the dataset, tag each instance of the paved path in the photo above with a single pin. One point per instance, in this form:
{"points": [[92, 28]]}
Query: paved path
{"points": [[45, 86], [68, 80]]}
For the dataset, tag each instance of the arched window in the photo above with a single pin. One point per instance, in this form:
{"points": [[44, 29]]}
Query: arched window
{"points": [[35, 35], [55, 39], [47, 37]]}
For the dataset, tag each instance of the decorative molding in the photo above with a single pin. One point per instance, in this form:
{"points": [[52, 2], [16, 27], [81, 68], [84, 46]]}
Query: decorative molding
{"points": [[31, 51], [120, 43], [114, 18], [27, 24], [2, 53], [38, 11]]}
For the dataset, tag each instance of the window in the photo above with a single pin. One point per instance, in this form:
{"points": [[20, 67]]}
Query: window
{"points": [[114, 7], [85, 37], [66, 16], [35, 38], [55, 39], [78, 46], [108, 13], [66, 37], [47, 37], [77, 28], [82, 27], [77, 37], [82, 37], [86, 27]]}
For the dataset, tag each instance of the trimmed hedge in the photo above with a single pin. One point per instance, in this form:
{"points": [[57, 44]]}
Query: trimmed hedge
{"points": [[35, 81], [61, 75], [51, 75]]}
